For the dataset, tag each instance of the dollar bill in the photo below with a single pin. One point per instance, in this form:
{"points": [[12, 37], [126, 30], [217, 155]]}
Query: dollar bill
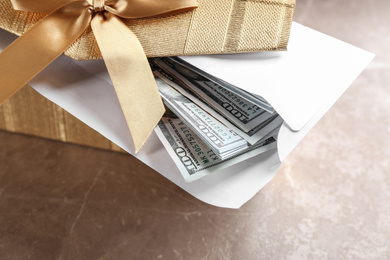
{"points": [[240, 111], [222, 140], [192, 156], [252, 136]]}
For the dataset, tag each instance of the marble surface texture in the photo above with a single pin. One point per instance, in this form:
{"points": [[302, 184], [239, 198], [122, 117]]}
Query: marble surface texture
{"points": [[329, 200]]}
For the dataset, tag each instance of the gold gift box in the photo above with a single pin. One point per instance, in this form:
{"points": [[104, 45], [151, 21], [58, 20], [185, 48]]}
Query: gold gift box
{"points": [[215, 27]]}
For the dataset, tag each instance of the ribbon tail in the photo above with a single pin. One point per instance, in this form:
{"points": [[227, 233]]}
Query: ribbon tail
{"points": [[38, 47], [131, 75]]}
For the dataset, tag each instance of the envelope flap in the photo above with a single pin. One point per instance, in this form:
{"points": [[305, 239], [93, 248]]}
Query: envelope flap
{"points": [[295, 83]]}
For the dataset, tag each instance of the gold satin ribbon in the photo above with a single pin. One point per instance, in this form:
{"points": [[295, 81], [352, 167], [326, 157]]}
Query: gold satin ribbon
{"points": [[122, 52]]}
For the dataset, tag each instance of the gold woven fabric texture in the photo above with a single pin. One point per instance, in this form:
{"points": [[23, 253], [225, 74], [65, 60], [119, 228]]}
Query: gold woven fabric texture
{"points": [[216, 26], [27, 112]]}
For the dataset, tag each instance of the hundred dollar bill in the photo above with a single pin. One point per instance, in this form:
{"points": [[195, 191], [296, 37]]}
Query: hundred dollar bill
{"points": [[239, 110], [192, 156], [253, 136], [217, 136]]}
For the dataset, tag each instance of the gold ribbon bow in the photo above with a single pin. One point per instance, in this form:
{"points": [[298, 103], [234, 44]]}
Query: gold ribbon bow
{"points": [[122, 52]]}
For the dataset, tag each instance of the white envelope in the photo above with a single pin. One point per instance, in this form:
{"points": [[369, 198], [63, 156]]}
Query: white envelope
{"points": [[301, 84]]}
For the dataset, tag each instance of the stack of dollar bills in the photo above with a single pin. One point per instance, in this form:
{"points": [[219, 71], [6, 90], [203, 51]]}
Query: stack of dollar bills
{"points": [[210, 124]]}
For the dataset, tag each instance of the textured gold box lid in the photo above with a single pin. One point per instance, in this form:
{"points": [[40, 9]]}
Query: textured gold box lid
{"points": [[215, 27]]}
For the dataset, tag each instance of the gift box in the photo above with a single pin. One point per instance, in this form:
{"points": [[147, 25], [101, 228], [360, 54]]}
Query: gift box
{"points": [[203, 27], [216, 26]]}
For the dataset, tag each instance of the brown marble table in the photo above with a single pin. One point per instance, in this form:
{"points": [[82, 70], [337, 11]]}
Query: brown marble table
{"points": [[329, 200]]}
